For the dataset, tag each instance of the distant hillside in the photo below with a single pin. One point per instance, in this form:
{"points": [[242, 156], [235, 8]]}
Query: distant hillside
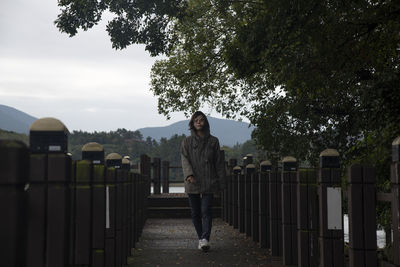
{"points": [[229, 132], [14, 120]]}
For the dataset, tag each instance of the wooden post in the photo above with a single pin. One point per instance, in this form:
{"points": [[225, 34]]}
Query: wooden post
{"points": [[51, 222], [14, 171], [235, 175], [83, 212], [250, 168], [264, 234], [98, 215], [241, 202], [145, 173], [232, 164], [94, 153], [362, 216], [129, 223], [330, 210], [275, 207], [165, 176], [254, 205], [36, 215], [289, 211], [307, 218], [157, 176], [113, 211], [395, 180]]}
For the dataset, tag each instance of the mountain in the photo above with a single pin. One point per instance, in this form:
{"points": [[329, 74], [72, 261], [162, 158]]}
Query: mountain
{"points": [[14, 120], [229, 132]]}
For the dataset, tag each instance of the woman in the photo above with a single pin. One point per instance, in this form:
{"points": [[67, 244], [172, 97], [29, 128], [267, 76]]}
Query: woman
{"points": [[204, 172]]}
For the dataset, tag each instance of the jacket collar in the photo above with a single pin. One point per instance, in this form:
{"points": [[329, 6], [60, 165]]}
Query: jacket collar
{"points": [[198, 138]]}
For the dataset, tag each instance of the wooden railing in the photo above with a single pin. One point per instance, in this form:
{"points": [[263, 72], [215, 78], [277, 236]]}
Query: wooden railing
{"points": [[297, 213]]}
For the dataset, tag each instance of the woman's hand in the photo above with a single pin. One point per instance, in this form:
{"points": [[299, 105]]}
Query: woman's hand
{"points": [[190, 179]]}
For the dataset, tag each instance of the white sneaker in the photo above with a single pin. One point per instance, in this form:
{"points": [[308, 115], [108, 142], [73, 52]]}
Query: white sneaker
{"points": [[203, 245]]}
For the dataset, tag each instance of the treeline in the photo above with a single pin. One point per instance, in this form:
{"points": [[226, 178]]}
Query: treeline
{"points": [[133, 144]]}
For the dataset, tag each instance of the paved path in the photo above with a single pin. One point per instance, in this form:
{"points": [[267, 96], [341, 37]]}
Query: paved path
{"points": [[173, 242]]}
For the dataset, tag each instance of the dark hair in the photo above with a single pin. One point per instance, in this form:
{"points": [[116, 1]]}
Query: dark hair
{"points": [[194, 116]]}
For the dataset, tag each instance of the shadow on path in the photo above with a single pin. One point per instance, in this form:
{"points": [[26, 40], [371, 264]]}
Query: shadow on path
{"points": [[173, 242]]}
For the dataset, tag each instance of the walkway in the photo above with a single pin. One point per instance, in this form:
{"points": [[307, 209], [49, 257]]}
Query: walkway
{"points": [[173, 242]]}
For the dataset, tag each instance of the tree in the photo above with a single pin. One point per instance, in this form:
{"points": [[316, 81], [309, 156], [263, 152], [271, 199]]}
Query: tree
{"points": [[308, 74]]}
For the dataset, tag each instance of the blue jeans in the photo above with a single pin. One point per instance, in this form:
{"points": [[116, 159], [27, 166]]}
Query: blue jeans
{"points": [[201, 207]]}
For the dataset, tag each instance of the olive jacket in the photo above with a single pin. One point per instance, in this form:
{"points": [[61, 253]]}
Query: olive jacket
{"points": [[202, 158]]}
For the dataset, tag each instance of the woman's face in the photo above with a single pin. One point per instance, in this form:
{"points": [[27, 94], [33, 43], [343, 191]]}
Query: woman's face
{"points": [[199, 123]]}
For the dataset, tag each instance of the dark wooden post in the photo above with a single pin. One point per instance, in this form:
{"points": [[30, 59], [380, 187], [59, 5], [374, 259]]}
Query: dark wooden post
{"points": [[36, 216], [241, 202], [235, 175], [232, 164], [395, 180], [254, 205], [362, 216], [136, 203], [145, 173], [289, 210], [157, 176], [119, 211], [50, 222], [113, 163], [250, 168], [127, 185], [14, 171], [94, 153], [307, 217], [275, 208], [330, 210], [98, 215], [145, 170], [83, 212], [165, 176], [263, 220], [133, 210]]}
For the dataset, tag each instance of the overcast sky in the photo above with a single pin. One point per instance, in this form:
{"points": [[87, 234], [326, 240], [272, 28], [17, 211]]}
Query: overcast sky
{"points": [[80, 80]]}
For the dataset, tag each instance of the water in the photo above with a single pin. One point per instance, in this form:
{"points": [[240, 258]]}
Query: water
{"points": [[380, 234], [173, 189]]}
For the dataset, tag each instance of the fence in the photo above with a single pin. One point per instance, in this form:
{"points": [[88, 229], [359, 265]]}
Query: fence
{"points": [[297, 213], [59, 212]]}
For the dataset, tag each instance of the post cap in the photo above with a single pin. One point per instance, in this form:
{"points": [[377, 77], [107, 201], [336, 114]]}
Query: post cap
{"points": [[114, 160], [265, 165], [48, 135], [93, 152], [329, 158], [289, 159], [48, 125], [250, 166], [125, 161], [113, 156], [329, 152], [289, 163], [237, 168], [396, 149], [127, 157], [93, 147]]}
